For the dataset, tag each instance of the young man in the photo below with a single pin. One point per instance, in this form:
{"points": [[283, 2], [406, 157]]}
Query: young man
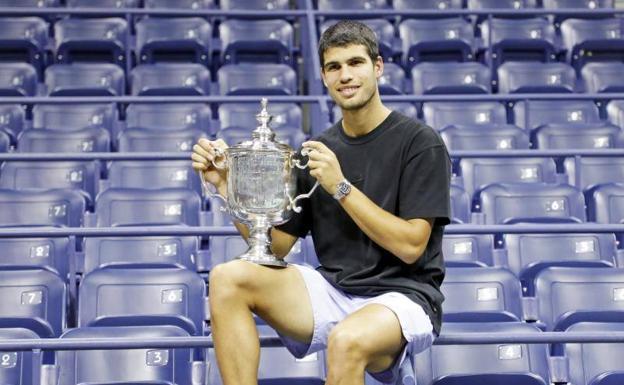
{"points": [[377, 227]]}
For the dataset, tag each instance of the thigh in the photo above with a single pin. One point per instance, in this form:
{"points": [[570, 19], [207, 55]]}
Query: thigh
{"points": [[277, 295], [380, 335]]}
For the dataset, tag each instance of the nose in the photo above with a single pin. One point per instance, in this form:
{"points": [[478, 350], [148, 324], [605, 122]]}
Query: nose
{"points": [[345, 74]]}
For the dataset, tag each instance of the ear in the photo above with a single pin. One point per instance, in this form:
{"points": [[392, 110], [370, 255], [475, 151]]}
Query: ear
{"points": [[379, 66], [323, 77]]}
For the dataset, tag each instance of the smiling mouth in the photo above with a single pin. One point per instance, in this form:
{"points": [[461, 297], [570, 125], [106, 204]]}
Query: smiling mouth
{"points": [[348, 91]]}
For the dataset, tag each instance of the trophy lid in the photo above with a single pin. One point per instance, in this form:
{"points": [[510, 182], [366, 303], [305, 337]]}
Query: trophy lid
{"points": [[263, 137]]}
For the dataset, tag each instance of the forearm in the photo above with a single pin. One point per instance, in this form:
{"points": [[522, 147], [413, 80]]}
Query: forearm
{"points": [[405, 239]]}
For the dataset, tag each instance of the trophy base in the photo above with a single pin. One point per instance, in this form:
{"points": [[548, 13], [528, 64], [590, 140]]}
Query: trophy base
{"points": [[266, 261]]}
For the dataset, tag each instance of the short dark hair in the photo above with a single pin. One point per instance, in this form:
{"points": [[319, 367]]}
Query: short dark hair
{"points": [[347, 32]]}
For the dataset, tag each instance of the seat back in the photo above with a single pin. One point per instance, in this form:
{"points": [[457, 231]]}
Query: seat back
{"points": [[605, 203], [90, 139], [154, 366], [148, 140], [33, 299], [75, 117], [530, 77], [19, 368], [17, 79], [166, 251], [485, 137], [257, 79], [603, 77], [542, 112], [141, 295], [47, 253], [481, 294], [441, 114], [170, 79], [567, 295], [136, 207], [256, 41], [179, 39], [254, 4], [532, 202], [157, 174], [80, 79], [451, 78], [91, 40], [578, 136], [56, 207], [244, 115], [468, 250]]}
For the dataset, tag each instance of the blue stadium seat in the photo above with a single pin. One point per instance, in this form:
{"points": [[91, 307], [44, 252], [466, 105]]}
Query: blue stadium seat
{"points": [[84, 177], [449, 39], [23, 39], [603, 77], [153, 174], [404, 5], [485, 137], [17, 79], [170, 79], [615, 112], [587, 173], [555, 111], [579, 135], [478, 173], [19, 368], [140, 295], [481, 294], [71, 117], [523, 39], [139, 207], [256, 41], [471, 250], [460, 205], [165, 251], [244, 115], [189, 4], [41, 208], [528, 254], [5, 142], [392, 81], [605, 203], [103, 3], [292, 136], [91, 40], [155, 140], [567, 295], [451, 78], [586, 5], [169, 117], [12, 120], [592, 40], [257, 79], [136, 366], [595, 364], [384, 30], [90, 139], [32, 299], [82, 79], [329, 5], [491, 364], [254, 4], [441, 114], [533, 77], [181, 39], [45, 253], [278, 366], [532, 203]]}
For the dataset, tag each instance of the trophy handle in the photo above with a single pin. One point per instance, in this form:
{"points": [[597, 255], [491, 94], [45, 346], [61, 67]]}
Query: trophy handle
{"points": [[223, 163], [206, 190], [297, 162], [293, 202]]}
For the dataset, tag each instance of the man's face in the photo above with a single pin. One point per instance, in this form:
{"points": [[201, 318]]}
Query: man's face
{"points": [[350, 76]]}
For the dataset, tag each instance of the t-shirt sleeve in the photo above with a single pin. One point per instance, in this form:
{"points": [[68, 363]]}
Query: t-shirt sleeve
{"points": [[299, 223], [424, 186]]}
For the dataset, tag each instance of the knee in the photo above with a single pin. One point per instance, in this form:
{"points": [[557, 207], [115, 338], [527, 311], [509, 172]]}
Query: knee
{"points": [[227, 280], [346, 344]]}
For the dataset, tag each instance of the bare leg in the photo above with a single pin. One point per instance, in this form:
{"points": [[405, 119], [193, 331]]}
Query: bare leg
{"points": [[368, 339], [240, 288]]}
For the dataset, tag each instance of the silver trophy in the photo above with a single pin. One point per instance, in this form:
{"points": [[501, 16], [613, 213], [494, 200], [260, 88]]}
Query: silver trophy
{"points": [[260, 184]]}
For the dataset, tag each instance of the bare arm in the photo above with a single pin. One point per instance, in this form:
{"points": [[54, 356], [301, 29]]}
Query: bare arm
{"points": [[406, 239]]}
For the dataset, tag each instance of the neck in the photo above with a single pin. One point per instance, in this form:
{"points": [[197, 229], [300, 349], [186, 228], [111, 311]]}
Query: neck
{"points": [[365, 119]]}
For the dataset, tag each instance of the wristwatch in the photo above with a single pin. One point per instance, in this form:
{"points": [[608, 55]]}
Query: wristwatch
{"points": [[344, 188]]}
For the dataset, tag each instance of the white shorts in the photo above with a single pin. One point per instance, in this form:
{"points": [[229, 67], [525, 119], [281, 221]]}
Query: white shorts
{"points": [[330, 306]]}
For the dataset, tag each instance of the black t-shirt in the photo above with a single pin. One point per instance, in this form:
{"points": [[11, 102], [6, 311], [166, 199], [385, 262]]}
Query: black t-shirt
{"points": [[404, 168]]}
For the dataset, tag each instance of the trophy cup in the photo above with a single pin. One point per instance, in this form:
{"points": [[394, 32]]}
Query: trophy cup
{"points": [[260, 184]]}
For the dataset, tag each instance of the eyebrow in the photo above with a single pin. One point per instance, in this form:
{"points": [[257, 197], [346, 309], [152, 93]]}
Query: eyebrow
{"points": [[352, 58]]}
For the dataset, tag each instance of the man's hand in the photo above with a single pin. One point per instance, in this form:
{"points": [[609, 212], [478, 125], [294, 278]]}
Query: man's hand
{"points": [[324, 166], [203, 156]]}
